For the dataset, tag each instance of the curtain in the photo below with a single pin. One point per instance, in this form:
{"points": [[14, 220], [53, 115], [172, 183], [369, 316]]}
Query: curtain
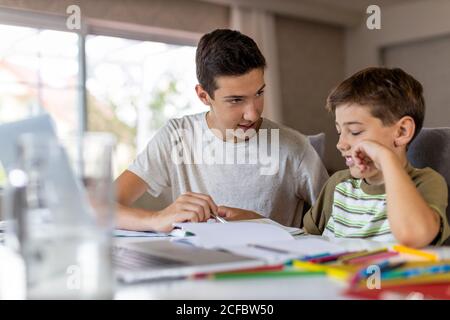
{"points": [[260, 26]]}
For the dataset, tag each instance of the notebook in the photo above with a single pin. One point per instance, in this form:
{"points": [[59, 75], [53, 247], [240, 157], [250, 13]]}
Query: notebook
{"points": [[293, 231], [204, 251], [267, 242], [226, 235]]}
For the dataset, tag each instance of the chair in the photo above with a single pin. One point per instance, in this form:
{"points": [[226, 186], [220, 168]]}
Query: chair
{"points": [[318, 143], [431, 148]]}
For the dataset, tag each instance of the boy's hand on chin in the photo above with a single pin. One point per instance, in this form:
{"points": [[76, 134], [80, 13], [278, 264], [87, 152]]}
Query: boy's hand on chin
{"points": [[369, 152]]}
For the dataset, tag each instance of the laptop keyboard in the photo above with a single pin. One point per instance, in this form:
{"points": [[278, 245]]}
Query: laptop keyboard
{"points": [[134, 260]]}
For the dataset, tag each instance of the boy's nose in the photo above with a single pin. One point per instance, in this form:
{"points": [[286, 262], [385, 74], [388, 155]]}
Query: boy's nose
{"points": [[342, 145], [252, 113]]}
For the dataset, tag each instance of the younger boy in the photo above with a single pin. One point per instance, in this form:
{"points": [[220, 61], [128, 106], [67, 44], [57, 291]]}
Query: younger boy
{"points": [[381, 196]]}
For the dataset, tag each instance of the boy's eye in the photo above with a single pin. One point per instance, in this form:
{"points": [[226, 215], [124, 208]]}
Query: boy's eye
{"points": [[356, 133], [260, 93], [235, 101]]}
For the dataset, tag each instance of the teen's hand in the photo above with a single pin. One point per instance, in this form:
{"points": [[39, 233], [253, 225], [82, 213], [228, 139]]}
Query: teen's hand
{"points": [[230, 213], [369, 153], [189, 207]]}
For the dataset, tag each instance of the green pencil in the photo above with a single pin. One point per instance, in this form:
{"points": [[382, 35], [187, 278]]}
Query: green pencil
{"points": [[264, 274]]}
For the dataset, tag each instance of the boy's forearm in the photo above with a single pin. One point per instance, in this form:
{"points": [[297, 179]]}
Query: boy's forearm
{"points": [[135, 219], [411, 219]]}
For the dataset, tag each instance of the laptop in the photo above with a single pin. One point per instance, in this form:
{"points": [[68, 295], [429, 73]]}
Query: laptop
{"points": [[69, 192], [165, 259]]}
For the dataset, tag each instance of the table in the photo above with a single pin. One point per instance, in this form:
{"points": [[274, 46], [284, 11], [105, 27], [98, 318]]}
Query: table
{"points": [[303, 287]]}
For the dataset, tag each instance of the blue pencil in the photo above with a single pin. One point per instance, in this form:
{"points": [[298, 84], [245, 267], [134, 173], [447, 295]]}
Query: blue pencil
{"points": [[383, 267], [414, 272], [307, 258]]}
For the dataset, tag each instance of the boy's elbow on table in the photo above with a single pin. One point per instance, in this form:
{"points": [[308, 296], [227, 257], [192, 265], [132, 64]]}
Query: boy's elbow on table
{"points": [[419, 237]]}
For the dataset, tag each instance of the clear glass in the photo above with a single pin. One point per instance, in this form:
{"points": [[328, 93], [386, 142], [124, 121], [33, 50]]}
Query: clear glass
{"points": [[64, 228], [90, 157]]}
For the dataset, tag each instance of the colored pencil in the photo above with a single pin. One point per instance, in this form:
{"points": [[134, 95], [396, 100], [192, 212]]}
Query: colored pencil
{"points": [[419, 253]]}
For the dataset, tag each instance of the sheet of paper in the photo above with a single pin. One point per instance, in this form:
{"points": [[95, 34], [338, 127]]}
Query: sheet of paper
{"points": [[306, 246], [293, 231], [281, 251], [224, 235]]}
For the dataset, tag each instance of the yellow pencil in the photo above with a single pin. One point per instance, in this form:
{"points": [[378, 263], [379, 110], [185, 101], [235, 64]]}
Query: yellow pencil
{"points": [[309, 266], [339, 274], [420, 253], [334, 271], [364, 253]]}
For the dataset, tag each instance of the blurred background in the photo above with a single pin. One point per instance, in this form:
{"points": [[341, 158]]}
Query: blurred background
{"points": [[129, 65]]}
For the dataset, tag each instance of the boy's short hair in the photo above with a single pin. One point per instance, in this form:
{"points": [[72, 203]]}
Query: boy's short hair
{"points": [[225, 52], [390, 94]]}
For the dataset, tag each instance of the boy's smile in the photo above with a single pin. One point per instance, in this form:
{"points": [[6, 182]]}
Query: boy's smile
{"points": [[355, 123]]}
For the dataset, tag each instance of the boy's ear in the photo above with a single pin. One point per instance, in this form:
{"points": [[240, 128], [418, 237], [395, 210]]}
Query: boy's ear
{"points": [[405, 131], [203, 95]]}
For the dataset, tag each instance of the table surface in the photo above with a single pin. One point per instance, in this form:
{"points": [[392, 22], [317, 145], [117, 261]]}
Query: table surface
{"points": [[302, 287], [285, 288]]}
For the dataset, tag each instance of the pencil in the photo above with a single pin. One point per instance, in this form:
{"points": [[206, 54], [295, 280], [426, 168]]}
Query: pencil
{"points": [[365, 253], [352, 255], [335, 271], [420, 253], [263, 274], [329, 258], [373, 257], [218, 218]]}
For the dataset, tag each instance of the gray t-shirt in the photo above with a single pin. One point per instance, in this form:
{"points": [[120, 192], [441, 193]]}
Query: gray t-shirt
{"points": [[272, 173]]}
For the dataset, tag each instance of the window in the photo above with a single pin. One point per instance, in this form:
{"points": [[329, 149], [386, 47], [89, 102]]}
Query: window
{"points": [[38, 72], [132, 86]]}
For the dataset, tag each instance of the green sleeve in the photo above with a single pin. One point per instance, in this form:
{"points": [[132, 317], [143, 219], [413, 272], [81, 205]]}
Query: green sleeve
{"points": [[433, 189], [315, 220]]}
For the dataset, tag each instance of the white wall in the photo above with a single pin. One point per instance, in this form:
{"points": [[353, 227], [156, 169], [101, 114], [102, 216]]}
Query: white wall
{"points": [[429, 62], [404, 22], [414, 36]]}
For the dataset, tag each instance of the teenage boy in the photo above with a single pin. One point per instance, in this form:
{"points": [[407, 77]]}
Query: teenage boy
{"points": [[218, 162]]}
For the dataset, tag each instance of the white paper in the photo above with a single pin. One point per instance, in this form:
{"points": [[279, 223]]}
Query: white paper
{"points": [[281, 251], [293, 231], [306, 246], [224, 235]]}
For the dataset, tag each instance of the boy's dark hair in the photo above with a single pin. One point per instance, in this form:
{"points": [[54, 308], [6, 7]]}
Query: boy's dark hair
{"points": [[390, 94], [224, 52]]}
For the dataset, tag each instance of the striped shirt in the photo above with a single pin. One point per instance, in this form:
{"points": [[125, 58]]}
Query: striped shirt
{"points": [[348, 207], [357, 214]]}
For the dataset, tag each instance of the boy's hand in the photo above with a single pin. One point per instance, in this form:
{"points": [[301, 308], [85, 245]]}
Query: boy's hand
{"points": [[191, 206], [237, 214], [369, 152]]}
